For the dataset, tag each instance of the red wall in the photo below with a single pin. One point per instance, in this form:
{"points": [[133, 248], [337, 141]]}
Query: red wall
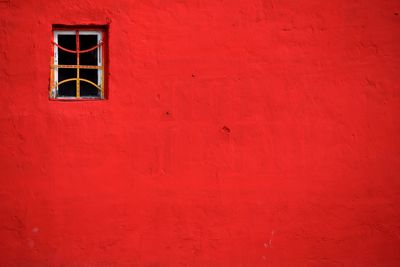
{"points": [[236, 133]]}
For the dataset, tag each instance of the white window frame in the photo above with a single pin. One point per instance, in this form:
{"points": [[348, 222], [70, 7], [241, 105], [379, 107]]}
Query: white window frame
{"points": [[100, 72]]}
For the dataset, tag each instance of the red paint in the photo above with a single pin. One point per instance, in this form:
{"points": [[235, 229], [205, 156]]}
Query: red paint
{"points": [[235, 133]]}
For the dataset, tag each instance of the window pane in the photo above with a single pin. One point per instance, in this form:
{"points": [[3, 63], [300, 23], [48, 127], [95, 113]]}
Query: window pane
{"points": [[68, 42], [87, 42], [87, 89], [68, 88], [89, 58]]}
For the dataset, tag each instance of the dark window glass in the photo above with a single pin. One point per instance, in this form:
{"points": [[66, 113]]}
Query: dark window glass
{"points": [[68, 42], [87, 42], [68, 88], [87, 89]]}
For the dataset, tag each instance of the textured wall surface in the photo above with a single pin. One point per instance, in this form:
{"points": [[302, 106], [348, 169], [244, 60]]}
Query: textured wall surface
{"points": [[236, 133]]}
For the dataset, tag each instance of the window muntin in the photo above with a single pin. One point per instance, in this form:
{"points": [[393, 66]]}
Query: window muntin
{"points": [[77, 70]]}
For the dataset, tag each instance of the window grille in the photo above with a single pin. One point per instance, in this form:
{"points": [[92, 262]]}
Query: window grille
{"points": [[77, 64]]}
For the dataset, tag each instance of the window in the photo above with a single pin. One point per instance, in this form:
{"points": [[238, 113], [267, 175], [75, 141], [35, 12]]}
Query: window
{"points": [[77, 68]]}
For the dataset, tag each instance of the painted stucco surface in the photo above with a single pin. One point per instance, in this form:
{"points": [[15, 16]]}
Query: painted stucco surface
{"points": [[236, 133]]}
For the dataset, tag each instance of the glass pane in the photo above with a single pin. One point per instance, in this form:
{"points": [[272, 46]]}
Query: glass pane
{"points": [[87, 89], [68, 42], [68, 88], [87, 42]]}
